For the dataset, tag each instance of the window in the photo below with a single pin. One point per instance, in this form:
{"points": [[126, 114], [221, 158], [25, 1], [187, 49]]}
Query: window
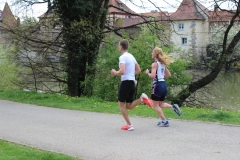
{"points": [[180, 26], [184, 41]]}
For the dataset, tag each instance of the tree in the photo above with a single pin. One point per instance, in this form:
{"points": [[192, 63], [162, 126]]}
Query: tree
{"points": [[9, 71], [215, 48], [227, 50], [82, 28], [141, 47]]}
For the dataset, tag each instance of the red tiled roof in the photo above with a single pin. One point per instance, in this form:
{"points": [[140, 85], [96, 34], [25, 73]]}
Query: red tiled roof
{"points": [[7, 17], [188, 11], [126, 22], [129, 22], [154, 14], [221, 16], [119, 4]]}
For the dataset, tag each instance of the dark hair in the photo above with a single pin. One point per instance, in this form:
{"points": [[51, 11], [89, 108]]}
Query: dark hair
{"points": [[124, 43]]}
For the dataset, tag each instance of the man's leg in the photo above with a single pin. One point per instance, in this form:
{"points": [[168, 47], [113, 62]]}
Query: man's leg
{"points": [[124, 112], [132, 105]]}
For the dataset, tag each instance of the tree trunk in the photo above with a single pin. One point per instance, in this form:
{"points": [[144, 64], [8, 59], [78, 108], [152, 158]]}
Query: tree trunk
{"points": [[83, 23]]}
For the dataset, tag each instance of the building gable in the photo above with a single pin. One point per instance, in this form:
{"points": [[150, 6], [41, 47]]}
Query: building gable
{"points": [[124, 9], [190, 10], [7, 17]]}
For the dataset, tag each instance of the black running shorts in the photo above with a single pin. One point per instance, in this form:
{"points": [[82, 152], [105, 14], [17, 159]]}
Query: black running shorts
{"points": [[126, 91]]}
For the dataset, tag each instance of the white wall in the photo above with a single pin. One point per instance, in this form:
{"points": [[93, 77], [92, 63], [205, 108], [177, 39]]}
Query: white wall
{"points": [[196, 32]]}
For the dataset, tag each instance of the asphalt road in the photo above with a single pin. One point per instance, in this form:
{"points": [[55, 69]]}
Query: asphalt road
{"points": [[97, 136]]}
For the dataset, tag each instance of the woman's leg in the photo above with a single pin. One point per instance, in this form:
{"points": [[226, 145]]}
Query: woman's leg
{"points": [[158, 110], [163, 104]]}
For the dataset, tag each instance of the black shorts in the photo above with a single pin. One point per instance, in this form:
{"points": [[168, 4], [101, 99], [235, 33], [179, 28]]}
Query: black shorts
{"points": [[159, 91], [126, 91]]}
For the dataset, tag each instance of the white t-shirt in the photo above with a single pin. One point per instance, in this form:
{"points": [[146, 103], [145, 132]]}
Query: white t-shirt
{"points": [[130, 62]]}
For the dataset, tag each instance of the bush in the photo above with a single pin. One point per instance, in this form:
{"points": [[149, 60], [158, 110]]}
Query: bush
{"points": [[106, 86], [9, 71]]}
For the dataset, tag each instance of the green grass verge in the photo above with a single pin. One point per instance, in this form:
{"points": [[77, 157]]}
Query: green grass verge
{"points": [[99, 105], [12, 151]]}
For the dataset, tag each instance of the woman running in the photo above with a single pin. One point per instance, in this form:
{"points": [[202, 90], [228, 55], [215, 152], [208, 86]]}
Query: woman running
{"points": [[158, 72]]}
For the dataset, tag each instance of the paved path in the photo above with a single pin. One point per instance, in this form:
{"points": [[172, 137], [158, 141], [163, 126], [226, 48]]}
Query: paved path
{"points": [[96, 136]]}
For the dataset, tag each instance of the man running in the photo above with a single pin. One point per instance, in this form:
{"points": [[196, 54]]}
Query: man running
{"points": [[128, 67]]}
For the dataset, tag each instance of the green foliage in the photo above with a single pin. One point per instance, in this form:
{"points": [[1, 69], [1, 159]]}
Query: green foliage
{"points": [[9, 151], [218, 115], [106, 86], [179, 79], [29, 20], [9, 71]]}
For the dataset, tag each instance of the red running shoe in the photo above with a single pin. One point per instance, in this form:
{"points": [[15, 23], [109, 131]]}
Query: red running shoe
{"points": [[146, 100], [127, 127]]}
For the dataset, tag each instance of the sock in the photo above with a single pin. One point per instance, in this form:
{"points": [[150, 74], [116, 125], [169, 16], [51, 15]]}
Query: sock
{"points": [[164, 121]]}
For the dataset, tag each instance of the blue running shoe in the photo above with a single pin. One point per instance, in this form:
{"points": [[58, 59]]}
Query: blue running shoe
{"points": [[177, 109], [163, 124]]}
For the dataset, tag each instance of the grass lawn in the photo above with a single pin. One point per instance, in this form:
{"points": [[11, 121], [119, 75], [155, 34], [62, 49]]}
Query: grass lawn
{"points": [[12, 151], [99, 105]]}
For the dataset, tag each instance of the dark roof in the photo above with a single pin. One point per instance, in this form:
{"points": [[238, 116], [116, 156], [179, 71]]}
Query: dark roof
{"points": [[7, 17], [221, 16], [188, 10], [111, 10], [119, 4], [155, 14], [126, 22]]}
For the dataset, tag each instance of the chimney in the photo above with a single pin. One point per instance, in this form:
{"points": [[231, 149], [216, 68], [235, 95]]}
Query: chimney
{"points": [[215, 8], [18, 22]]}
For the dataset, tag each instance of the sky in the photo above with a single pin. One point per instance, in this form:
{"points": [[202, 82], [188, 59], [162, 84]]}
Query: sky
{"points": [[163, 5]]}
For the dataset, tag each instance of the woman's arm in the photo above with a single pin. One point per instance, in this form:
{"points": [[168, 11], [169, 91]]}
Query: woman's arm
{"points": [[167, 73], [153, 72]]}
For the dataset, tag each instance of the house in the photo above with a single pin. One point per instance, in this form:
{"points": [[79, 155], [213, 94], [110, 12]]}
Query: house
{"points": [[191, 24], [7, 22], [218, 17], [118, 10], [190, 27]]}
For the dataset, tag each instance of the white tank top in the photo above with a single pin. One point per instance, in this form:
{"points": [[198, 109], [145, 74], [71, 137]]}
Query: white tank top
{"points": [[159, 73]]}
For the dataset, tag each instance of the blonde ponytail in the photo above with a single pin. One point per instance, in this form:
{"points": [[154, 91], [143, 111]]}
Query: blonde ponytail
{"points": [[162, 57]]}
